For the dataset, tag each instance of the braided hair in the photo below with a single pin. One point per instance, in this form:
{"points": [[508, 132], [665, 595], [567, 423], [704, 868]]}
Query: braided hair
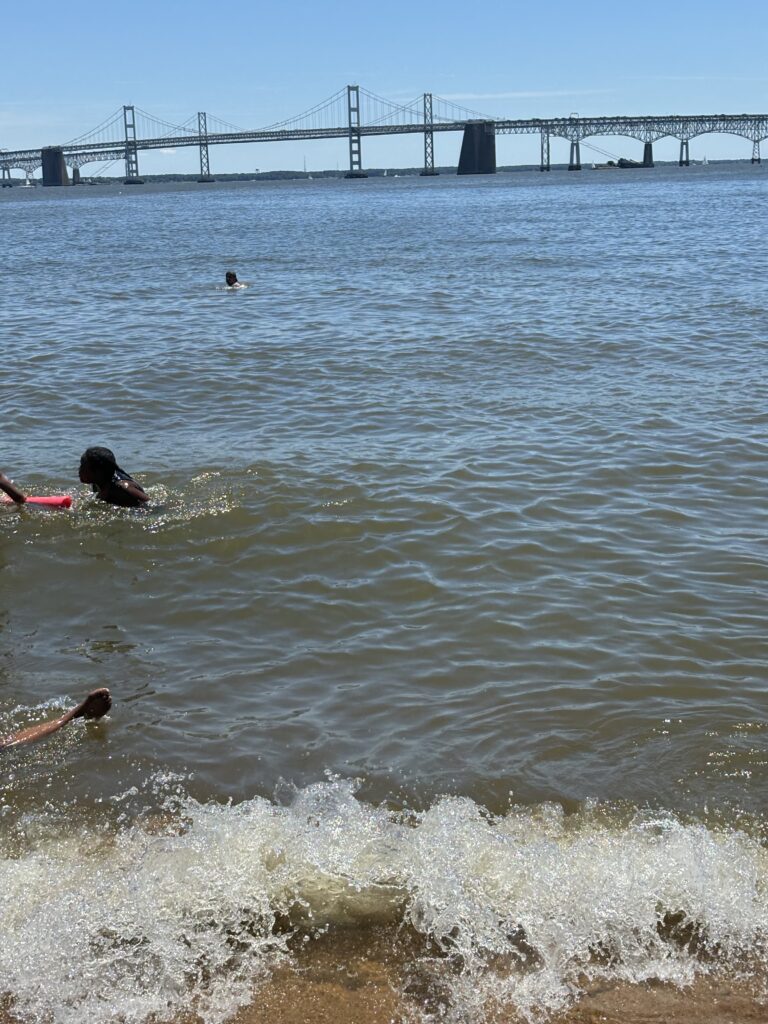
{"points": [[103, 466]]}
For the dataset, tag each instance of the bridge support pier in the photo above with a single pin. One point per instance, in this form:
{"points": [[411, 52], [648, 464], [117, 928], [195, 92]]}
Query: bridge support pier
{"points": [[574, 164], [545, 165], [5, 178], [75, 175], [685, 157], [756, 151], [648, 154], [478, 148], [54, 168]]}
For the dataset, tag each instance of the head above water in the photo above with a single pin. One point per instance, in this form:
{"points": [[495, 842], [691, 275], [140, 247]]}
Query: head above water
{"points": [[97, 466], [231, 278]]}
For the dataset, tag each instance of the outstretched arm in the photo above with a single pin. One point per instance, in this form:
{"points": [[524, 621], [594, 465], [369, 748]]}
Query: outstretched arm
{"points": [[95, 705], [12, 490]]}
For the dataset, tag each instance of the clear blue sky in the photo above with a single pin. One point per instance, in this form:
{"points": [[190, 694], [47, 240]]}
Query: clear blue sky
{"points": [[64, 67]]}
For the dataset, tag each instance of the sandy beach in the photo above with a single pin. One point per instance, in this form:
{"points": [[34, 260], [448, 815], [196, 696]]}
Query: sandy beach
{"points": [[336, 1002], [336, 982], [354, 977]]}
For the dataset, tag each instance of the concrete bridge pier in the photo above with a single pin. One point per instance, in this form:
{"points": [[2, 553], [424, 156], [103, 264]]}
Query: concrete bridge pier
{"points": [[478, 148], [756, 151], [54, 168], [5, 178], [685, 158], [575, 162], [648, 154]]}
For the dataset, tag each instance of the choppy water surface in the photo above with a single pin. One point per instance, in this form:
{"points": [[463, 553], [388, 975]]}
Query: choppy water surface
{"points": [[450, 606]]}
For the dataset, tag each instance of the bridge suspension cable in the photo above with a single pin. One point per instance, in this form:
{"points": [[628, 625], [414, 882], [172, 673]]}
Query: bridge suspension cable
{"points": [[378, 110], [103, 168], [312, 118], [329, 113], [446, 110], [597, 149], [172, 129], [100, 131], [217, 125]]}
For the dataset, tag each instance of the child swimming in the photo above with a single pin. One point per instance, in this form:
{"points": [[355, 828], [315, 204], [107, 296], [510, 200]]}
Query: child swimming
{"points": [[98, 467], [231, 278]]}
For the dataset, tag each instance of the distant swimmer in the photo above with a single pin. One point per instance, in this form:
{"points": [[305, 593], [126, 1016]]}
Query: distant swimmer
{"points": [[99, 468], [95, 705], [12, 490], [231, 279]]}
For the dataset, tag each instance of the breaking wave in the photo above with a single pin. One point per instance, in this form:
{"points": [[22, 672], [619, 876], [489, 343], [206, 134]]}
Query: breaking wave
{"points": [[191, 907]]}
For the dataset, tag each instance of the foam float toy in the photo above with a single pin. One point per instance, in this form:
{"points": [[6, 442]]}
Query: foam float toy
{"points": [[49, 500]]}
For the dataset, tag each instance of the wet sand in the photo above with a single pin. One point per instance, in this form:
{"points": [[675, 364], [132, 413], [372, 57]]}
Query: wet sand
{"points": [[365, 993], [335, 980], [339, 979], [301, 1001]]}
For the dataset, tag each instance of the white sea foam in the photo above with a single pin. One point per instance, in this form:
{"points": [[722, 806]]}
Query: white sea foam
{"points": [[522, 906]]}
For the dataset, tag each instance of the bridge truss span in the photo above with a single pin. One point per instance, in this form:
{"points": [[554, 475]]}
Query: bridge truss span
{"points": [[644, 128]]}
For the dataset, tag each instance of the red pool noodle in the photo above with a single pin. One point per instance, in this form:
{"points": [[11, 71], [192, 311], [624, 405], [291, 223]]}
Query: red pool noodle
{"points": [[51, 500]]}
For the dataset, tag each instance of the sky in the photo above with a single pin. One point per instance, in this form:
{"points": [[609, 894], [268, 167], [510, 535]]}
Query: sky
{"points": [[65, 68]]}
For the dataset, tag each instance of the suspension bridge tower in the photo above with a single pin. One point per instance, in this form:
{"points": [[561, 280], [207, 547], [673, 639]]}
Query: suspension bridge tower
{"points": [[355, 146], [202, 132], [429, 138], [131, 149]]}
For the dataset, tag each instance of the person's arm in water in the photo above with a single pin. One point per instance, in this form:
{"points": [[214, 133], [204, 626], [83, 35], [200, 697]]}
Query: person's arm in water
{"points": [[126, 493], [12, 490], [95, 705]]}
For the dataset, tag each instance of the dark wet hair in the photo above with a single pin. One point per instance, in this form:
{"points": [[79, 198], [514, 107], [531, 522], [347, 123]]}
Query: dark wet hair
{"points": [[232, 274], [103, 464]]}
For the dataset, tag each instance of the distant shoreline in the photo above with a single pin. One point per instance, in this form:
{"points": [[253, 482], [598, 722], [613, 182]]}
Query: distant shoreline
{"points": [[373, 172]]}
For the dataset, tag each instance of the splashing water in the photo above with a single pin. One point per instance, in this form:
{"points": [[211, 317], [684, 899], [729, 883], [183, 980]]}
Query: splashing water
{"points": [[191, 910]]}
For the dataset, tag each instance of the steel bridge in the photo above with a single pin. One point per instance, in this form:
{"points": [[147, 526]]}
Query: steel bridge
{"points": [[353, 114]]}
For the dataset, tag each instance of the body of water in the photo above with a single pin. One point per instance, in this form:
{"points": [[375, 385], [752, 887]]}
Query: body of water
{"points": [[448, 612]]}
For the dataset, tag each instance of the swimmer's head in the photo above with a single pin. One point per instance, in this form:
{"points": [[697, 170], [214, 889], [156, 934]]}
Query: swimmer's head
{"points": [[97, 466], [231, 278]]}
